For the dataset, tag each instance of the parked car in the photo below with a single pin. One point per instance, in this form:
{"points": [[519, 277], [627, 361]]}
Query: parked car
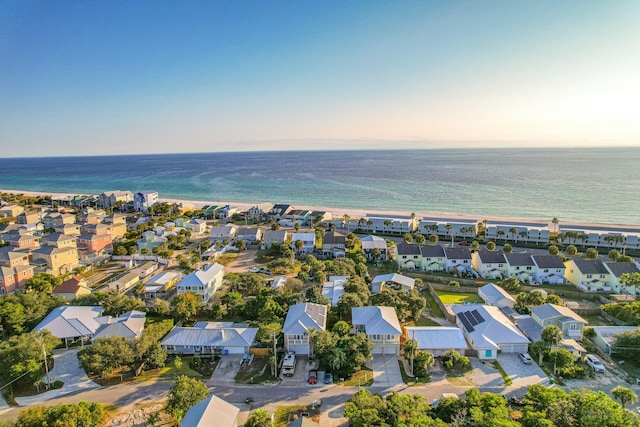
{"points": [[313, 377], [254, 270], [526, 359], [264, 271], [464, 243], [328, 378], [594, 363]]}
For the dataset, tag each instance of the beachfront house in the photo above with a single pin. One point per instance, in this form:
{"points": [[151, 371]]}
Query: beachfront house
{"points": [[203, 282], [196, 226], [274, 236], [393, 281], [616, 270], [446, 228], [277, 212], [438, 340], [489, 331], [489, 264], [301, 318], [258, 212], [549, 269], [514, 232], [588, 274], [380, 325], [110, 199], [396, 224], [296, 216], [496, 296], [570, 323], [520, 266], [143, 200]]}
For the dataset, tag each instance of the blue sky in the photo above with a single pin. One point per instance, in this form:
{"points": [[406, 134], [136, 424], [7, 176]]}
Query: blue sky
{"points": [[95, 77]]}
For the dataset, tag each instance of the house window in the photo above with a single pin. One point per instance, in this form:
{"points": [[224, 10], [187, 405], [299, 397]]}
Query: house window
{"points": [[171, 348], [573, 327], [529, 268], [602, 276], [499, 265], [589, 276], [546, 270]]}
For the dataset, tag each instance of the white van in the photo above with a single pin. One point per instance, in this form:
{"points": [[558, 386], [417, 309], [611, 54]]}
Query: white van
{"points": [[594, 363], [289, 364]]}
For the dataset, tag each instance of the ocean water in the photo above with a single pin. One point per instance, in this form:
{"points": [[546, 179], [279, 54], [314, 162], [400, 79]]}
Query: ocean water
{"points": [[587, 184]]}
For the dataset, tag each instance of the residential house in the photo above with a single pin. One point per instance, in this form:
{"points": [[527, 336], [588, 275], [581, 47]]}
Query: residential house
{"points": [[94, 244], [496, 296], [488, 330], [219, 233], [333, 244], [72, 288], [278, 212], [489, 264], [150, 240], [68, 229], [29, 217], [94, 228], [617, 269], [448, 227], [21, 241], [129, 326], [605, 336], [250, 235], [300, 320], [529, 232], [433, 258], [438, 340], [72, 323], [123, 282], [116, 226], [394, 281], [278, 282], [549, 270], [372, 244], [10, 211], [90, 216], [259, 211], [212, 411], [60, 240], [12, 257], [197, 226], [397, 224], [14, 278], [320, 216], [160, 285], [203, 282], [210, 338], [272, 236], [143, 200], [409, 256], [571, 324], [612, 237], [308, 241], [226, 212], [113, 198], [380, 325], [459, 261], [146, 269], [334, 289], [588, 274], [57, 260], [297, 216], [56, 219], [136, 222], [520, 266]]}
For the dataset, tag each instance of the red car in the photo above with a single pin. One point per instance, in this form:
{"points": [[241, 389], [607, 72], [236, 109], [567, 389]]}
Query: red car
{"points": [[464, 243], [313, 377]]}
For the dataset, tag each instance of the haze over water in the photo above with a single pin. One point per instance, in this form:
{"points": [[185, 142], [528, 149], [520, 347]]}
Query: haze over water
{"points": [[588, 184]]}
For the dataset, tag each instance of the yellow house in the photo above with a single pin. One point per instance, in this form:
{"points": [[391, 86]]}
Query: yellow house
{"points": [[11, 211], [117, 230], [72, 288], [57, 260], [588, 274]]}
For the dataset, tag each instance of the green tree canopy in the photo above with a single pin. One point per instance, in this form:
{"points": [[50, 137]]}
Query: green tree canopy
{"points": [[184, 394]]}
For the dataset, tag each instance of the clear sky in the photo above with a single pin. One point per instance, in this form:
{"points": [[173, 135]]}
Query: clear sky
{"points": [[109, 77]]}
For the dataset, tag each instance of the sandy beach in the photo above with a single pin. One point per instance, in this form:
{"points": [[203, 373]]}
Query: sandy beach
{"points": [[354, 214]]}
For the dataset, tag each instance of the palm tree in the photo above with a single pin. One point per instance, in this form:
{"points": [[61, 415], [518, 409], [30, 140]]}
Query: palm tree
{"points": [[346, 219], [523, 234], [387, 223], [420, 239], [434, 239], [336, 358], [624, 395], [410, 347], [501, 233], [555, 223], [513, 232], [361, 221], [450, 230]]}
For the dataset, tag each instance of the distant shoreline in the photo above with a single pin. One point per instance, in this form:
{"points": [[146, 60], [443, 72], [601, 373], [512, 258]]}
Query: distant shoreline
{"points": [[354, 214]]}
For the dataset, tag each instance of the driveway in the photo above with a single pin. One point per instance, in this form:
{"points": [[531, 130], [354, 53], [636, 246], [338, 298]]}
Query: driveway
{"points": [[226, 370], [66, 368], [386, 371], [301, 372], [521, 374]]}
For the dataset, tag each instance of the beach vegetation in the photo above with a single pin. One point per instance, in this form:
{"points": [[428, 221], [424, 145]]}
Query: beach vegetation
{"points": [[106, 355], [507, 248], [259, 418], [86, 414], [114, 304]]}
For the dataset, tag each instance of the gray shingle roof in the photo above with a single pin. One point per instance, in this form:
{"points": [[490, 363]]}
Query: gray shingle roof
{"points": [[552, 311], [619, 268], [433, 251], [457, 253], [407, 249], [491, 257], [519, 259], [548, 261], [590, 266]]}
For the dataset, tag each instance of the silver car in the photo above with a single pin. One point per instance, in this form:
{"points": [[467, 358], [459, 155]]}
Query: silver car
{"points": [[594, 363], [526, 359]]}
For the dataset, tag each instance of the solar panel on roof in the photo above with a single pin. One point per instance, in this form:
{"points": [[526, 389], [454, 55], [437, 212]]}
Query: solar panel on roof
{"points": [[465, 321], [477, 316]]}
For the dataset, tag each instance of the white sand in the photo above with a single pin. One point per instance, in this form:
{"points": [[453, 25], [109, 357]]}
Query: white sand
{"points": [[355, 214]]}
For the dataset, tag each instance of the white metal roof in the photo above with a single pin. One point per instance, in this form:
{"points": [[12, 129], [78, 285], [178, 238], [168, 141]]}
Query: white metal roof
{"points": [[377, 320], [397, 278], [70, 321], [302, 317], [494, 330], [212, 411], [202, 277], [222, 336], [437, 337]]}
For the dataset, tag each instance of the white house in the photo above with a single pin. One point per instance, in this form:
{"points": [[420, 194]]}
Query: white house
{"points": [[459, 261], [334, 289], [433, 258], [212, 411], [409, 256], [530, 232], [220, 232], [210, 338], [393, 280], [520, 266], [448, 227], [258, 212], [397, 224], [549, 269], [300, 319], [308, 240], [489, 264], [203, 282], [370, 243], [380, 325], [72, 323], [129, 325], [570, 323], [226, 212], [438, 340], [333, 243], [488, 331], [496, 296], [143, 200], [196, 225]]}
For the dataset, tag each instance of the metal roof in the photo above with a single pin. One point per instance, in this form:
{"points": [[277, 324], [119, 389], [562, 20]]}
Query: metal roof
{"points": [[302, 317], [494, 330], [70, 321], [437, 337], [212, 411], [217, 336], [377, 320]]}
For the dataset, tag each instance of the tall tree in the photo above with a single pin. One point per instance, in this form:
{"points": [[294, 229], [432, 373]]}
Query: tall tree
{"points": [[184, 394], [409, 351], [624, 395], [259, 418]]}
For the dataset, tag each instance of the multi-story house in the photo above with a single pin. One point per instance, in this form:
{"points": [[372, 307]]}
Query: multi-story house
{"points": [[143, 200], [57, 260], [369, 244], [250, 235], [588, 274], [222, 232], [520, 266], [433, 258], [14, 278], [203, 282], [409, 256], [109, 199], [333, 244], [302, 318], [564, 318], [259, 211], [380, 325], [272, 236], [616, 270], [489, 264], [459, 261], [549, 270], [94, 243], [308, 241], [10, 211], [396, 224], [60, 240], [515, 232], [447, 228]]}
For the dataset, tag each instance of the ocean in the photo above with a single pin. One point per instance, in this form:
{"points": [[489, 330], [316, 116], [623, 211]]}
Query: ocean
{"points": [[596, 185]]}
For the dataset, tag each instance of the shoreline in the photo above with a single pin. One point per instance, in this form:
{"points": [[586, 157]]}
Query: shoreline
{"points": [[354, 213]]}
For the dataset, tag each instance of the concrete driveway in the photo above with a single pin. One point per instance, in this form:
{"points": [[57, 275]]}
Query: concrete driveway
{"points": [[66, 368], [227, 369], [386, 371], [521, 374]]}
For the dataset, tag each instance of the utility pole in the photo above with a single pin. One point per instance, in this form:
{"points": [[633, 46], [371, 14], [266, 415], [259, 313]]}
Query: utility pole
{"points": [[44, 356], [275, 355]]}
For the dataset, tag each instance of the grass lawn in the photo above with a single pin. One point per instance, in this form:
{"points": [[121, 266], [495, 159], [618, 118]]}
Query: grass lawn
{"points": [[432, 306], [505, 377], [258, 372], [412, 381], [227, 258], [283, 414], [363, 377], [422, 321], [596, 320], [170, 371], [449, 297]]}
